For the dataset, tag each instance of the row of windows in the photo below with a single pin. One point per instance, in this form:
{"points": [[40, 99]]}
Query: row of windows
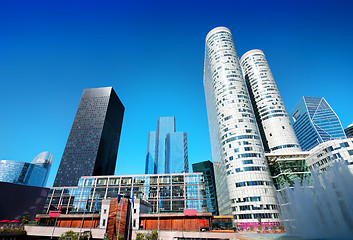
{"points": [[247, 199], [253, 183], [257, 216]]}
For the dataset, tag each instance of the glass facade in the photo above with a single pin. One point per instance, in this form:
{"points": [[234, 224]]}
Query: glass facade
{"points": [[286, 168], [276, 129], [22, 173], [240, 166], [349, 131], [151, 161], [314, 122], [167, 150], [31, 174], [206, 168], [166, 192], [92, 146]]}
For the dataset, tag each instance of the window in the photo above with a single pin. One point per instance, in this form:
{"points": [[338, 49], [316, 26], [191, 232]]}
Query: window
{"points": [[103, 222]]}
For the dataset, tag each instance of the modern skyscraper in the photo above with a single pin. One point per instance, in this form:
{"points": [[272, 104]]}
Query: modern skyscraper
{"points": [[314, 122], [92, 146], [349, 131], [30, 174], [237, 150], [206, 168], [167, 150], [151, 161], [272, 118]]}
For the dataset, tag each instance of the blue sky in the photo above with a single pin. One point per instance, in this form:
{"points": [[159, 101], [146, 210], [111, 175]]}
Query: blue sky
{"points": [[152, 53]]}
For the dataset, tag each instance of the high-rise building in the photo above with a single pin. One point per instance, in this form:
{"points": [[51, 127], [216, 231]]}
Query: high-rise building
{"points": [[151, 161], [276, 129], [314, 122], [237, 150], [206, 168], [167, 150], [349, 131], [92, 146], [30, 174]]}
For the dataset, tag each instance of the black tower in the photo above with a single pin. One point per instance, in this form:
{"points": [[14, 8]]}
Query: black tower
{"points": [[92, 146]]}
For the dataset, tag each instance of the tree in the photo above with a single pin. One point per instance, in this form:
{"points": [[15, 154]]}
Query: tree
{"points": [[71, 235], [25, 219]]}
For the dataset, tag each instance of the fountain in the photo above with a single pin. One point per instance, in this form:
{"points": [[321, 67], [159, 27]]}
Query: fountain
{"points": [[320, 207]]}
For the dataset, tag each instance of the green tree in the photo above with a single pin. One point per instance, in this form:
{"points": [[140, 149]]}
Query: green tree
{"points": [[140, 236], [266, 227], [70, 235], [25, 219]]}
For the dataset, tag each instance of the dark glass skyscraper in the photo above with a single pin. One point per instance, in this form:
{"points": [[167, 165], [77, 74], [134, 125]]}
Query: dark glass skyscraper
{"points": [[206, 168], [92, 146]]}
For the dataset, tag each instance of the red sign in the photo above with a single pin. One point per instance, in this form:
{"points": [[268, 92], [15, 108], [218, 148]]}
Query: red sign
{"points": [[54, 213], [190, 212]]}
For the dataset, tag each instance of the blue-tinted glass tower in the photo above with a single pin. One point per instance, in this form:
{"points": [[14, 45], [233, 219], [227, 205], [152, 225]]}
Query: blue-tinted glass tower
{"points": [[176, 152], [92, 146], [151, 163], [314, 122], [30, 174], [167, 150]]}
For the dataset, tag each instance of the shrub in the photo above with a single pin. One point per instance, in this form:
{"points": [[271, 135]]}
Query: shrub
{"points": [[251, 228], [266, 227], [281, 227], [259, 228], [274, 227]]}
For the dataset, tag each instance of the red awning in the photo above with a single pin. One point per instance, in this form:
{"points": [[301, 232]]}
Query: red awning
{"points": [[4, 221]]}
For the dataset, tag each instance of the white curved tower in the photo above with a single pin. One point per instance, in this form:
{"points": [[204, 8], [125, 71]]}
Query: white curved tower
{"points": [[278, 134], [237, 150]]}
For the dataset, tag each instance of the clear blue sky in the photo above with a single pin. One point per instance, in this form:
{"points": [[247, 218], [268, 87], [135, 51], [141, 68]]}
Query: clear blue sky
{"points": [[152, 53]]}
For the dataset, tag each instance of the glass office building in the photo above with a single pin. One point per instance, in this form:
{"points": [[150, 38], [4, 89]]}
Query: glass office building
{"points": [[243, 181], [31, 174], [314, 122], [166, 192], [276, 129], [92, 146], [206, 168], [167, 150]]}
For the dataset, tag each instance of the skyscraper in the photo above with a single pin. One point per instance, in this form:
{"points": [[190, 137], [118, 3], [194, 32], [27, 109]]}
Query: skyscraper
{"points": [[314, 122], [206, 168], [167, 150], [244, 185], [349, 131], [276, 129], [92, 146], [30, 174]]}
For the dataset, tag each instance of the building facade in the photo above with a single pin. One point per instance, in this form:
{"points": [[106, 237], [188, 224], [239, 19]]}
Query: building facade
{"points": [[287, 167], [167, 150], [240, 166], [324, 154], [92, 146], [349, 131], [165, 192], [314, 122], [30, 174], [276, 129], [206, 168]]}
